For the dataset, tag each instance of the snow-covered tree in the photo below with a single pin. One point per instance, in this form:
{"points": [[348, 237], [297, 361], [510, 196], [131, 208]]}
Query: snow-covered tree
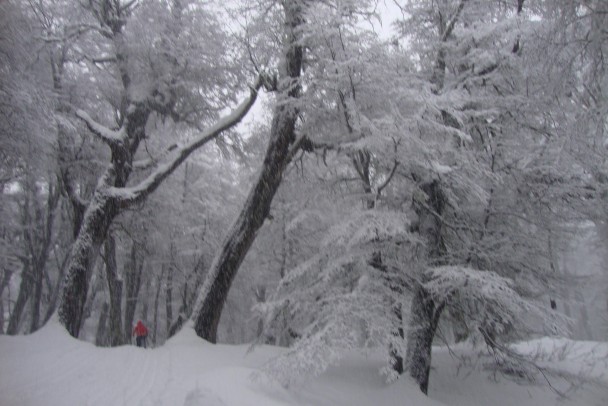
{"points": [[170, 76]]}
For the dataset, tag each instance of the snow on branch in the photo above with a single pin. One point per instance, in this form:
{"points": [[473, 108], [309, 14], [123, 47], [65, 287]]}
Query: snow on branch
{"points": [[150, 162], [129, 196], [108, 136], [488, 299]]}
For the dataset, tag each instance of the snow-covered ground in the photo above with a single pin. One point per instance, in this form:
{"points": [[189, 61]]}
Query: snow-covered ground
{"points": [[51, 368]]}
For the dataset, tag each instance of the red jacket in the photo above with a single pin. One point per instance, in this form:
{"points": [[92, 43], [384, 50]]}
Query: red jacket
{"points": [[140, 330]]}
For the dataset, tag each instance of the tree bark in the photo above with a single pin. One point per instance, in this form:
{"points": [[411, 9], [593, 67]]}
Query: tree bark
{"points": [[101, 338], [40, 250], [159, 283], [169, 298], [424, 312], [133, 270], [257, 206], [145, 303], [25, 289], [424, 318], [116, 337], [98, 217]]}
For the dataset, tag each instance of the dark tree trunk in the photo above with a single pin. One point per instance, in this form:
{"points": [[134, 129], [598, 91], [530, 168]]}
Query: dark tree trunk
{"points": [[55, 293], [425, 313], [257, 207], [145, 303], [98, 217], [398, 333], [424, 318], [116, 336], [41, 251], [169, 297], [159, 283], [133, 272], [36, 299]]}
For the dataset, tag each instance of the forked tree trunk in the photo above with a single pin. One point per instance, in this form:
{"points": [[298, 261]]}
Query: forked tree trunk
{"points": [[108, 201], [282, 137]]}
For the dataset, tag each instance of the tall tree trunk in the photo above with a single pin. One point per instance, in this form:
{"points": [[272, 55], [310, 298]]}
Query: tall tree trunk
{"points": [[145, 303], [133, 270], [115, 289], [36, 298], [257, 206], [6, 278], [97, 219], [169, 298], [45, 219], [52, 306], [25, 289], [101, 337], [424, 318], [1, 317], [90, 300], [424, 312], [159, 283], [260, 297]]}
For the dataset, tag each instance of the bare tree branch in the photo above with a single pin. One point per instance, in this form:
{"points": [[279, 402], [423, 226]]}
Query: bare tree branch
{"points": [[390, 177]]}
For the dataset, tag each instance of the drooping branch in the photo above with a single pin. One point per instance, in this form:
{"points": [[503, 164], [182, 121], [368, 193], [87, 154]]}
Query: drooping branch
{"points": [[389, 178], [151, 183], [110, 137]]}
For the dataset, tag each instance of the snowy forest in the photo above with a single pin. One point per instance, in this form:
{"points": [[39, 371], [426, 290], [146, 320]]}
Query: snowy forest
{"points": [[414, 187]]}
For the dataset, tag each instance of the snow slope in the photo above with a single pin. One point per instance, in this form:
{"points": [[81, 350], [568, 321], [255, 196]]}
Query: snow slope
{"points": [[51, 368]]}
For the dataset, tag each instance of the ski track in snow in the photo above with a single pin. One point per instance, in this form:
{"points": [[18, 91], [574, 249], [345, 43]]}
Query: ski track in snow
{"points": [[50, 368]]}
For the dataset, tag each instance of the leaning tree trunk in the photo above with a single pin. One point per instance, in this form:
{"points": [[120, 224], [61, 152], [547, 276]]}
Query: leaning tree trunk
{"points": [[98, 217], [242, 234]]}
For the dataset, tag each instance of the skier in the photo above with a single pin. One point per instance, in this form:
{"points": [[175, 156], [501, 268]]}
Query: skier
{"points": [[141, 333]]}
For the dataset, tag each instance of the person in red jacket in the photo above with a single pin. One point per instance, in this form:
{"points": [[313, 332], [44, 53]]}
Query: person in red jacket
{"points": [[141, 333]]}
